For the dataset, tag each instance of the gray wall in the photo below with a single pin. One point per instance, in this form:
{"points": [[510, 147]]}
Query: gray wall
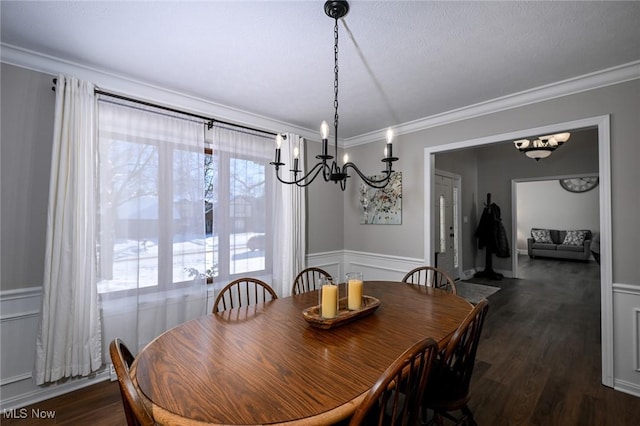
{"points": [[621, 101], [325, 204], [25, 154]]}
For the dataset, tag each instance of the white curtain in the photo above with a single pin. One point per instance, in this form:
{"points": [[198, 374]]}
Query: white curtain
{"points": [[290, 219], [258, 223], [69, 340], [152, 239]]}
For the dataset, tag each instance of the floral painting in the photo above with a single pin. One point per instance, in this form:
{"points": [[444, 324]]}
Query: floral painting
{"points": [[382, 206]]}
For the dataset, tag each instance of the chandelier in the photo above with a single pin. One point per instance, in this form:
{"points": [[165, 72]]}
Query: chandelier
{"points": [[327, 164], [543, 146]]}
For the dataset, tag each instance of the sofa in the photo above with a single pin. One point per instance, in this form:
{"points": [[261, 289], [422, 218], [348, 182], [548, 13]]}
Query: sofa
{"points": [[560, 244]]}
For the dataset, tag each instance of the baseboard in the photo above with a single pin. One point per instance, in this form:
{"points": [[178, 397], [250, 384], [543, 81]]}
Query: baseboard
{"points": [[45, 392], [626, 387]]}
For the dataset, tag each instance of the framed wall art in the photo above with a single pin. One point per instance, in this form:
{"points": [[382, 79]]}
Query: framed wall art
{"points": [[382, 206]]}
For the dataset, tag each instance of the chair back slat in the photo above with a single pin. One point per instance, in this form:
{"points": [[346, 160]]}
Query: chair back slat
{"points": [[307, 280], [460, 353], [396, 398], [243, 292], [431, 277]]}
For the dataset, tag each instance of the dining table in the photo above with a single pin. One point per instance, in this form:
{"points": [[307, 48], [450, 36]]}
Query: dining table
{"points": [[265, 364]]}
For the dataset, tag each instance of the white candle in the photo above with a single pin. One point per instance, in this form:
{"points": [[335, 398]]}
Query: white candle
{"points": [[354, 295], [329, 306]]}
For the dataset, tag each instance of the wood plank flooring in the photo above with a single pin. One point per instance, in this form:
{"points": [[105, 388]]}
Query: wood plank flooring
{"points": [[538, 363], [539, 359]]}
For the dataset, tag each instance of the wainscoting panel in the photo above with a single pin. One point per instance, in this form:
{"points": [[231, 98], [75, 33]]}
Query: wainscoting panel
{"points": [[19, 330], [374, 266], [331, 262], [19, 327], [626, 338], [378, 266]]}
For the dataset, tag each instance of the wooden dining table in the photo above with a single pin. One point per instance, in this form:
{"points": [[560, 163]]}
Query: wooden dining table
{"points": [[265, 364]]}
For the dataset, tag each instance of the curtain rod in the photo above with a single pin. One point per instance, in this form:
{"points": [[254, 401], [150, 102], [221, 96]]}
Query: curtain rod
{"points": [[209, 119]]}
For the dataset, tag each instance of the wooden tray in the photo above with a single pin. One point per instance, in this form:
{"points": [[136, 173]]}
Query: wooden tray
{"points": [[312, 315]]}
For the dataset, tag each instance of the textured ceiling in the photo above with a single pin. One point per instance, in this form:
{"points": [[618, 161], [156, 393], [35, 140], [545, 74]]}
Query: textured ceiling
{"points": [[399, 60]]}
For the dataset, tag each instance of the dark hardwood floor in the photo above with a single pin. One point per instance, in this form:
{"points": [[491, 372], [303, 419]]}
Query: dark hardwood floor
{"points": [[539, 358], [538, 363]]}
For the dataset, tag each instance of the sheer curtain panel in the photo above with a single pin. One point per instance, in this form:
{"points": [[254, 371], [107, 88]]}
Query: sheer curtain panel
{"points": [[252, 232], [69, 339], [152, 221], [290, 221]]}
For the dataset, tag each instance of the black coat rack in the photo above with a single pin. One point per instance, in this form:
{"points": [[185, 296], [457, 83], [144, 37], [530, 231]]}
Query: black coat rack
{"points": [[487, 237]]}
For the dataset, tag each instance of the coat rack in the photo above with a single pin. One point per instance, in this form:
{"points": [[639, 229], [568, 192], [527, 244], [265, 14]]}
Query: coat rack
{"points": [[487, 232]]}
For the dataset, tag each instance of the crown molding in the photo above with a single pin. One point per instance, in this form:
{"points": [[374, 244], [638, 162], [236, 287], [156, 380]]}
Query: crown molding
{"points": [[607, 77], [47, 64], [108, 81]]}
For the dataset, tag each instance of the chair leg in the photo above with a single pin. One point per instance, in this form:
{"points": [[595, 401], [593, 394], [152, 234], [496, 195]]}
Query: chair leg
{"points": [[468, 416]]}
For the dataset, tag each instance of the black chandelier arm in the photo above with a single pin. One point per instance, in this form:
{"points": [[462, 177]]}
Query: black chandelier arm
{"points": [[311, 175], [374, 183]]}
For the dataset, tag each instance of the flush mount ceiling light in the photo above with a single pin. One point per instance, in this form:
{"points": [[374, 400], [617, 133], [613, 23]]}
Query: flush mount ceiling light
{"points": [[331, 171], [543, 146]]}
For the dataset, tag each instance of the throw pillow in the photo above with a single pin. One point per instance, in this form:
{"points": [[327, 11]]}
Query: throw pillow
{"points": [[541, 236], [574, 238]]}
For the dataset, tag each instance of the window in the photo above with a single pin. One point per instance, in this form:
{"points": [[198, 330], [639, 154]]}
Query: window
{"points": [[237, 234], [151, 199], [443, 224]]}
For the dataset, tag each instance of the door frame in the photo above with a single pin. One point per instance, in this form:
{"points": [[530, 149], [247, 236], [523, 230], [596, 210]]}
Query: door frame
{"points": [[602, 123]]}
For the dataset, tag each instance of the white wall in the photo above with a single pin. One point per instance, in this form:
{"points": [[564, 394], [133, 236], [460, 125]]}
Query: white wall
{"points": [[545, 204]]}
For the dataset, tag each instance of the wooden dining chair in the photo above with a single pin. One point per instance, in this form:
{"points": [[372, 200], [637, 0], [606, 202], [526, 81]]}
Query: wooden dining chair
{"points": [[243, 292], [396, 398], [307, 280], [134, 410], [432, 277], [449, 382]]}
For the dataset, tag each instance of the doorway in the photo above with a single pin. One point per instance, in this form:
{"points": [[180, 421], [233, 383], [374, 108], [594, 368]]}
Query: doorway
{"points": [[606, 278], [561, 210], [447, 235]]}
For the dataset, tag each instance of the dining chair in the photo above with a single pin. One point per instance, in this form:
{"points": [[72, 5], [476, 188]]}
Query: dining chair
{"points": [[307, 280], [432, 277], [451, 375], [396, 398], [134, 410], [243, 292]]}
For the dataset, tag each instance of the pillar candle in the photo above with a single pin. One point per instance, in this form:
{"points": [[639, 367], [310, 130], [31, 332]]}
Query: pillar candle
{"points": [[329, 306], [354, 295]]}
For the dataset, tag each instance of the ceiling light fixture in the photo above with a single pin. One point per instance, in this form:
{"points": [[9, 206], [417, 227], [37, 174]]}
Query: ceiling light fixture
{"points": [[332, 172], [541, 147]]}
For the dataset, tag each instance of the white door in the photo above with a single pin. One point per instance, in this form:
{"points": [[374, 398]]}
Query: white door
{"points": [[446, 244]]}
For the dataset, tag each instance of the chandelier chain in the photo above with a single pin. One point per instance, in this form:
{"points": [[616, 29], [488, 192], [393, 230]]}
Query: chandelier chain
{"points": [[335, 81]]}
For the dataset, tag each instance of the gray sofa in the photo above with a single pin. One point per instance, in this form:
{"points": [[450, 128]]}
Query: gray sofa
{"points": [[555, 248]]}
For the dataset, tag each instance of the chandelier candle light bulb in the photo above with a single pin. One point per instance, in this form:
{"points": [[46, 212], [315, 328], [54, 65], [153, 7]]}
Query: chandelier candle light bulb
{"points": [[296, 153], [278, 144], [324, 132], [388, 151]]}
